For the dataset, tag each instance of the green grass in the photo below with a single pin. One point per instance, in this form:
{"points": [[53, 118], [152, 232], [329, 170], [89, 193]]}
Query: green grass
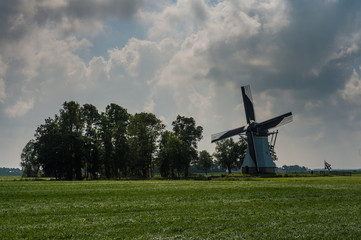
{"points": [[9, 177], [259, 208]]}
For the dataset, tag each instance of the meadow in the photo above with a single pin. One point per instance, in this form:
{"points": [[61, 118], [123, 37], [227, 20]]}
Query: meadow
{"points": [[259, 208]]}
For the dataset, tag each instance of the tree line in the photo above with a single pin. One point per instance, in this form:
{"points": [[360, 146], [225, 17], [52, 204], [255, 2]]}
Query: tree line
{"points": [[80, 142], [10, 171]]}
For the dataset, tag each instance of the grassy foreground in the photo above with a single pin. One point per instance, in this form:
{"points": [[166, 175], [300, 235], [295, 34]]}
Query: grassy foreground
{"points": [[274, 208]]}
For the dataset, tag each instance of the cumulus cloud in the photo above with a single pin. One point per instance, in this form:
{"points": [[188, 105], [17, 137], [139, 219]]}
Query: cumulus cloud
{"points": [[272, 45], [352, 90], [41, 41]]}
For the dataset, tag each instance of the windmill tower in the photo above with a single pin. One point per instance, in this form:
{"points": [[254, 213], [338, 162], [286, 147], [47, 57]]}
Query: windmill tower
{"points": [[258, 158]]}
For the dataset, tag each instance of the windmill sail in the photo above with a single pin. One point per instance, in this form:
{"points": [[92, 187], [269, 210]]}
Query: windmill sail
{"points": [[275, 122], [248, 104], [222, 135]]}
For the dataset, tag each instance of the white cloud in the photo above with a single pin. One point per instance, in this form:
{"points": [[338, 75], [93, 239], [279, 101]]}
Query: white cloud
{"points": [[310, 105], [352, 90], [20, 108]]}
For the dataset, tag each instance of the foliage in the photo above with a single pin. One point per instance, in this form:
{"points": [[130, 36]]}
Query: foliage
{"points": [[170, 154], [272, 208], [293, 169], [230, 154], [29, 160], [205, 161], [81, 142], [92, 143], [144, 130], [186, 130], [115, 121]]}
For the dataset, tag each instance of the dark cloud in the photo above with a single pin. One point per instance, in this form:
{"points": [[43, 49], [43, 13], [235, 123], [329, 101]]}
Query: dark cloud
{"points": [[19, 17], [103, 9], [9, 14], [316, 32], [308, 55]]}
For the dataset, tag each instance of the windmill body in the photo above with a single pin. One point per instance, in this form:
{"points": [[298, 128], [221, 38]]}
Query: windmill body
{"points": [[263, 155], [258, 158]]}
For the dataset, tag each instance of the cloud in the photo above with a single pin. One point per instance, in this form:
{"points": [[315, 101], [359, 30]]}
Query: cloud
{"points": [[2, 91], [40, 48], [271, 45], [177, 20], [352, 90], [20, 108], [3, 68], [20, 17]]}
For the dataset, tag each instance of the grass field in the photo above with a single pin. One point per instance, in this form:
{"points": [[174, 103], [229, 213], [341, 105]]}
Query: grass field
{"points": [[270, 208]]}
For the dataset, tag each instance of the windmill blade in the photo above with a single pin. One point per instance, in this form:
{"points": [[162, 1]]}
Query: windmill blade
{"points": [[222, 135], [276, 122], [248, 104], [251, 148]]}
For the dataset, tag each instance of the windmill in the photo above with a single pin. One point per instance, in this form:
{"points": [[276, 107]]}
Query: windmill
{"points": [[258, 158]]}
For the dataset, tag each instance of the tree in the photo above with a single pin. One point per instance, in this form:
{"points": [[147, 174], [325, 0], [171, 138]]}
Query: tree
{"points": [[186, 130], [230, 154], [294, 168], [118, 120], [106, 145], [71, 118], [71, 126], [91, 140], [29, 160], [205, 161], [80, 141], [170, 154], [49, 148], [144, 130]]}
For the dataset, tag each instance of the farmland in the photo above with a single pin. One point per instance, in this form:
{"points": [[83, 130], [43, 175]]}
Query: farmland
{"points": [[260, 208]]}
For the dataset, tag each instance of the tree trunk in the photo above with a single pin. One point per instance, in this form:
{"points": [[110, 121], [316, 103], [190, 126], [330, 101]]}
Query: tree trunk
{"points": [[186, 172]]}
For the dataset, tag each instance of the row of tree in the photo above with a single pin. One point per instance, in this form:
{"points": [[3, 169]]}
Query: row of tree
{"points": [[81, 142]]}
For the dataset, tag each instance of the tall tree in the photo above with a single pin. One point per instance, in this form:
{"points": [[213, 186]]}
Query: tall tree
{"points": [[170, 154], [230, 154], [144, 130], [118, 120], [48, 140], [71, 118], [205, 161], [106, 145], [91, 140], [71, 125], [29, 160], [186, 130]]}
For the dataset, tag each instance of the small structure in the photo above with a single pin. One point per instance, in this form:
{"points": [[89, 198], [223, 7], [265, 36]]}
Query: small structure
{"points": [[258, 158], [327, 166]]}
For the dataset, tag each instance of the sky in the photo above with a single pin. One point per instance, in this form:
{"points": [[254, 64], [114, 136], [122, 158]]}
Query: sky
{"points": [[188, 57]]}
